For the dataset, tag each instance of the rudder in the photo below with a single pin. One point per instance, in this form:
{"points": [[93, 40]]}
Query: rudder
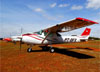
{"points": [[86, 32]]}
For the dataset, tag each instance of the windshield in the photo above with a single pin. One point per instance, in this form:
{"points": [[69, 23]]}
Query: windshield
{"points": [[39, 32], [45, 33]]}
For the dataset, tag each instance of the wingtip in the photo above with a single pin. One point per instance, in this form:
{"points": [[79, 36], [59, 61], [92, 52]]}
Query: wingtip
{"points": [[79, 18]]}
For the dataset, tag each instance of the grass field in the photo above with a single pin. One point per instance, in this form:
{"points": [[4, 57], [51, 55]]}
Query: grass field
{"points": [[72, 57]]}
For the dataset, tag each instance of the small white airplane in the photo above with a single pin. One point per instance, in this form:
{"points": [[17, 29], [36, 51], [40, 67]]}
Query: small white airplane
{"points": [[12, 39], [51, 35]]}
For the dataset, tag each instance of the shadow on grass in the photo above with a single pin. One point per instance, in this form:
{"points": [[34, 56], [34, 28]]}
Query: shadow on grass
{"points": [[73, 54], [47, 48], [67, 52]]}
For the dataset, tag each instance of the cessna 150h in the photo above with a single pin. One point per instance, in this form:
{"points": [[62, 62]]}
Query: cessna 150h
{"points": [[51, 35]]}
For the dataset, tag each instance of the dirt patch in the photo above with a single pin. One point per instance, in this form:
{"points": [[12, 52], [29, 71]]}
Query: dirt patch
{"points": [[63, 60]]}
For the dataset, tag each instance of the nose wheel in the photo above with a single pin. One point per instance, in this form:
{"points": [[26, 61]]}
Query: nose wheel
{"points": [[29, 50]]}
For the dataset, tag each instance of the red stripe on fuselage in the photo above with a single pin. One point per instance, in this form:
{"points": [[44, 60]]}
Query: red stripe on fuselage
{"points": [[29, 34], [33, 36]]}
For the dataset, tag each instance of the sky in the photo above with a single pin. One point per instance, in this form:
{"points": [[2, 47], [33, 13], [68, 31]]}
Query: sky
{"points": [[34, 15]]}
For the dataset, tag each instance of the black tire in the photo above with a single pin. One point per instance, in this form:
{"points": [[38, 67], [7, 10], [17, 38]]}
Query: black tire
{"points": [[52, 50], [29, 50]]}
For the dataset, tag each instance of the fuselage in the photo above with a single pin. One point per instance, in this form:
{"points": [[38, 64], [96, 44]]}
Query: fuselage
{"points": [[44, 37], [53, 39]]}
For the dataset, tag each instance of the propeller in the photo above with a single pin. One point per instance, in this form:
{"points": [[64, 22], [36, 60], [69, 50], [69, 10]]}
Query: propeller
{"points": [[21, 39], [20, 43]]}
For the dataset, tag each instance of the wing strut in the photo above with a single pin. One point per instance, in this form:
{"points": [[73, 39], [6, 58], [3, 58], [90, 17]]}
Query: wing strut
{"points": [[45, 37]]}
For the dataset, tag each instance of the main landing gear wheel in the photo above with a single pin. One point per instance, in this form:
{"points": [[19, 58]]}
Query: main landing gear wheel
{"points": [[52, 50], [29, 50]]}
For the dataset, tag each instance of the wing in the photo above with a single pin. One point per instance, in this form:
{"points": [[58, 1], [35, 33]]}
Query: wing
{"points": [[71, 25]]}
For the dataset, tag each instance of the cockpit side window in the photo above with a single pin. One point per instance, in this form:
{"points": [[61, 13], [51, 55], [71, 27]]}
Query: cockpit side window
{"points": [[50, 35]]}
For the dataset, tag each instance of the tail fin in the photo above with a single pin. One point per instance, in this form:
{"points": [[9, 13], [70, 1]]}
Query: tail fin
{"points": [[86, 33]]}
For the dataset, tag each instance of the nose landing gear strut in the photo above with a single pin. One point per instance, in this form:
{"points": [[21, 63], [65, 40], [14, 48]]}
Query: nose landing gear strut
{"points": [[30, 49]]}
